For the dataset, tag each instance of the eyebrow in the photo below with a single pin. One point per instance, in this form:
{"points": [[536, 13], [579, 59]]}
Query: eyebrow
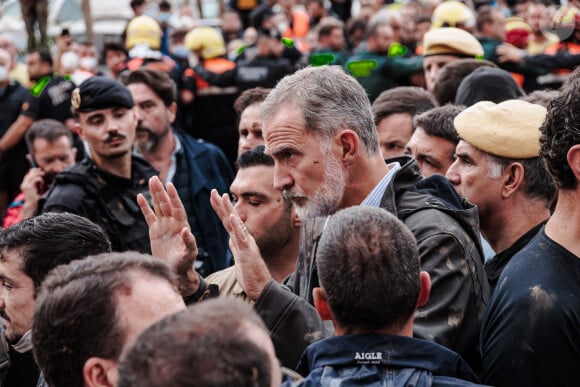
{"points": [[251, 194], [279, 151], [4, 277], [429, 159], [464, 157]]}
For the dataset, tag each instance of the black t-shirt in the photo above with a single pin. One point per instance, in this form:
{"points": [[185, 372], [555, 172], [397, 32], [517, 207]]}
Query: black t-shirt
{"points": [[23, 370], [531, 329], [49, 98]]}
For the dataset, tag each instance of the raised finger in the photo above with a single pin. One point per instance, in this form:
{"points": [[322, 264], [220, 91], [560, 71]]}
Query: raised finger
{"points": [[153, 190], [148, 213], [177, 207], [217, 205]]}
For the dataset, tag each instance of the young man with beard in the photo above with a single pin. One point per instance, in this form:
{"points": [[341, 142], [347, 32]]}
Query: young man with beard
{"points": [[50, 151], [269, 217], [194, 167], [327, 157], [104, 186]]}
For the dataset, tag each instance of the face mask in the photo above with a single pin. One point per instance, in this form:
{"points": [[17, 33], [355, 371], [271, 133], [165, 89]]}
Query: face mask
{"points": [[88, 63], [3, 74], [70, 61], [163, 17], [180, 51]]}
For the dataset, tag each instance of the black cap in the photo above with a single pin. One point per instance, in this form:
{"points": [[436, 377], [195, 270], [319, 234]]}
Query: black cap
{"points": [[100, 93], [487, 84]]}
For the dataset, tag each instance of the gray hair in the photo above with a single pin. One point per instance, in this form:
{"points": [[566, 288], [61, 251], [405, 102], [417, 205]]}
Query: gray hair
{"points": [[538, 184], [330, 101]]}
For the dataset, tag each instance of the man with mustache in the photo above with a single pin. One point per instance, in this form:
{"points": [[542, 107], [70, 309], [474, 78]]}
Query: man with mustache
{"points": [[193, 166], [50, 151], [104, 186]]}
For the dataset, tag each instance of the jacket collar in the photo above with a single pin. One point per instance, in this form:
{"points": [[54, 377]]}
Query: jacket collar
{"points": [[386, 350]]}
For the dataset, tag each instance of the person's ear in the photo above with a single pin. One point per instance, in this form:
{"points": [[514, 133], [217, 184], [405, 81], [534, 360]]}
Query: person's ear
{"points": [[99, 372], [349, 142], [512, 180], [78, 129], [573, 158], [172, 112], [321, 304], [425, 289]]}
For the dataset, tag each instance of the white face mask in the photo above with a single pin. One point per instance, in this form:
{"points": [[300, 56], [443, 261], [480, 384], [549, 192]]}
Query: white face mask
{"points": [[88, 63], [69, 61]]}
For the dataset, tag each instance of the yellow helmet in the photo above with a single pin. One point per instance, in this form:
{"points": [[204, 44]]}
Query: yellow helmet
{"points": [[143, 30], [451, 14], [208, 40]]}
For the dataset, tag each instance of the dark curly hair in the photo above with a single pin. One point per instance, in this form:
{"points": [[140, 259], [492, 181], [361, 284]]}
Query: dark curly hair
{"points": [[561, 131]]}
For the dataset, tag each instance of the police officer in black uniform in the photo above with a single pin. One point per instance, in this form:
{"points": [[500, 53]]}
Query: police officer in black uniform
{"points": [[104, 186]]}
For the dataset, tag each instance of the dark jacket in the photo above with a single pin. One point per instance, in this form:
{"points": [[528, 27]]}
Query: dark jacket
{"points": [[28, 373], [106, 199], [259, 71], [378, 360], [446, 229], [201, 167]]}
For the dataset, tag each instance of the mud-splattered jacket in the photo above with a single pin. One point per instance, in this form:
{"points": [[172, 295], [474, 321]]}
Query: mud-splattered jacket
{"points": [[447, 231]]}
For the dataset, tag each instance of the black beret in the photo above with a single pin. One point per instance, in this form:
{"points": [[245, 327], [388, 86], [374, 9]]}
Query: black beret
{"points": [[100, 93]]}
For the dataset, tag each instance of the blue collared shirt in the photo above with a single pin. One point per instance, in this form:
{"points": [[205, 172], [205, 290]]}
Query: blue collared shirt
{"points": [[374, 198]]}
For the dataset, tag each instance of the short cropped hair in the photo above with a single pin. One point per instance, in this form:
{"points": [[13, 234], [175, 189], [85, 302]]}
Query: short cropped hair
{"points": [[76, 315], [438, 122], [404, 99], [254, 157], [115, 47], [205, 345], [48, 129], [52, 239], [43, 54], [368, 266], [250, 97], [158, 81], [452, 74], [561, 131]]}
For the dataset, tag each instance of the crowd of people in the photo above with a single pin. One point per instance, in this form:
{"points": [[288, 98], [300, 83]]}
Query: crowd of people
{"points": [[316, 193]]}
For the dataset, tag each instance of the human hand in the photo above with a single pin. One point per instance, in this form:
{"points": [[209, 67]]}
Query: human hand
{"points": [[32, 187], [508, 53], [251, 270], [169, 233]]}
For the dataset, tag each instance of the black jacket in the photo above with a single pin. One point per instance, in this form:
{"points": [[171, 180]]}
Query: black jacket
{"points": [[108, 200], [447, 231]]}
